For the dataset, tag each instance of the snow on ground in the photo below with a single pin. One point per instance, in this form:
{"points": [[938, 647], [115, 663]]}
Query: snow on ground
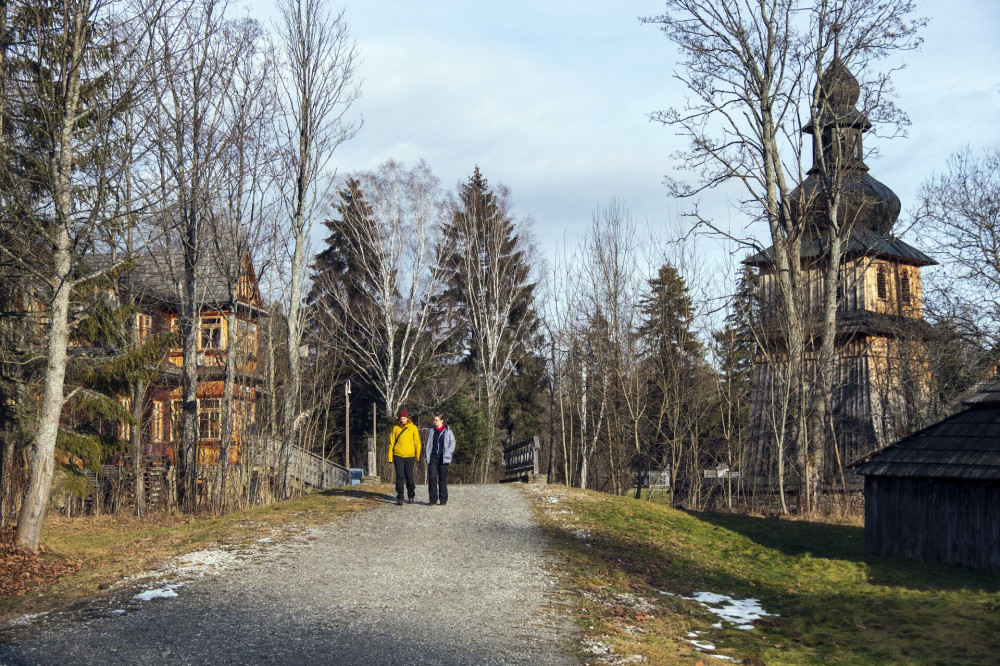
{"points": [[167, 592], [741, 612], [25, 620]]}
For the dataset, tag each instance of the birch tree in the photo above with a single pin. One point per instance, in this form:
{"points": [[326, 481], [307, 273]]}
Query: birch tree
{"points": [[195, 137], [241, 221], [319, 85], [377, 279]]}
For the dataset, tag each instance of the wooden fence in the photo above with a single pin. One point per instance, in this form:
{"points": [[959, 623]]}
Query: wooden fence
{"points": [[521, 461], [304, 466]]}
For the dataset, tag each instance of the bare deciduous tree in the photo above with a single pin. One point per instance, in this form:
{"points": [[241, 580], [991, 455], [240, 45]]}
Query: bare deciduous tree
{"points": [[319, 61], [959, 212], [380, 301]]}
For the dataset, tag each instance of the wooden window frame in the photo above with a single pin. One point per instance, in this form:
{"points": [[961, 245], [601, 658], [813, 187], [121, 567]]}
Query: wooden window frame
{"points": [[881, 283], [210, 419], [143, 325], [210, 331], [156, 424]]}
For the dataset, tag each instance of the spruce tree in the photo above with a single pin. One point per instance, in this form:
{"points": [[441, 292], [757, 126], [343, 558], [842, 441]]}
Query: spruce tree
{"points": [[488, 298]]}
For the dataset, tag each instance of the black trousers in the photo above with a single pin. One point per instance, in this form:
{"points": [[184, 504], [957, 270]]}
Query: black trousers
{"points": [[404, 470], [437, 480]]}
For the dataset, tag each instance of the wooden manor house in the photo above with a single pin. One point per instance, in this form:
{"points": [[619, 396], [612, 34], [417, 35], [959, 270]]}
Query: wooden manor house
{"points": [[230, 310]]}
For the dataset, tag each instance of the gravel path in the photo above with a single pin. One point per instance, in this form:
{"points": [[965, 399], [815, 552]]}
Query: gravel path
{"points": [[459, 584]]}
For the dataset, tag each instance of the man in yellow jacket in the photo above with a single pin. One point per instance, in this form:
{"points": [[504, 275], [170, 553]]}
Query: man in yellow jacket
{"points": [[404, 451]]}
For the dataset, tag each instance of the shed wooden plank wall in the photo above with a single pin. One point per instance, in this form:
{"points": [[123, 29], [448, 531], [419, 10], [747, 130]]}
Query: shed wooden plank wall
{"points": [[956, 522]]}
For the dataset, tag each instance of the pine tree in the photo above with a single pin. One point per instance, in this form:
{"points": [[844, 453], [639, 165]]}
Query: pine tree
{"points": [[678, 376], [488, 299], [339, 265]]}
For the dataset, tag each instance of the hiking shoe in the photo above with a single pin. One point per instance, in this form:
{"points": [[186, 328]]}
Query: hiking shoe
{"points": [[409, 501], [399, 502]]}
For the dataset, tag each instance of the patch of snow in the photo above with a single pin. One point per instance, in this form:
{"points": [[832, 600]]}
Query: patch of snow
{"points": [[552, 500], [265, 540], [201, 561], [741, 612], [692, 634], [722, 657], [117, 611], [581, 534], [702, 646], [717, 625], [595, 647], [25, 620], [159, 593]]}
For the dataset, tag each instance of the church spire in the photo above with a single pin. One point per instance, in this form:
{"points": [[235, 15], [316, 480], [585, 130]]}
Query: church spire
{"points": [[865, 202]]}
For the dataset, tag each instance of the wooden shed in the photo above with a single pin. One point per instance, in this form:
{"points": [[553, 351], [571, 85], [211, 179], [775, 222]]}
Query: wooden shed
{"points": [[935, 496]]}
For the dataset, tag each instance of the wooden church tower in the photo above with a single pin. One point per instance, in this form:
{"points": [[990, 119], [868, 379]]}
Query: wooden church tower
{"points": [[881, 378]]}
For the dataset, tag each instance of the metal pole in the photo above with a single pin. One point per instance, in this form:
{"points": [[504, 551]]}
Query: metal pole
{"points": [[347, 425]]}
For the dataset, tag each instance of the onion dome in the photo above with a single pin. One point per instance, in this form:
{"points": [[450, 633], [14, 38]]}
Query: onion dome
{"points": [[865, 203]]}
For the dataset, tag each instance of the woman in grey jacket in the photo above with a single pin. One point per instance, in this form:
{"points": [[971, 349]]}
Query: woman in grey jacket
{"points": [[438, 449]]}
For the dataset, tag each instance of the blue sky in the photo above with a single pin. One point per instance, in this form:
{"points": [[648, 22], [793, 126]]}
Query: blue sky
{"points": [[552, 98]]}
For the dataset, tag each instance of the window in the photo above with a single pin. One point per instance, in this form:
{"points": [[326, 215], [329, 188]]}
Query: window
{"points": [[211, 333], [175, 328], [210, 419], [882, 283], [247, 339], [156, 426], [143, 325], [176, 419], [125, 429], [904, 288]]}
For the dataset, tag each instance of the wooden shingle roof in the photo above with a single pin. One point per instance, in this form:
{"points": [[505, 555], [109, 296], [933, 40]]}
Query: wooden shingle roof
{"points": [[965, 445], [861, 242], [157, 276]]}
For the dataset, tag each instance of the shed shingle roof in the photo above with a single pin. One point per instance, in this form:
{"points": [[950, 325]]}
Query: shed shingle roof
{"points": [[965, 445]]}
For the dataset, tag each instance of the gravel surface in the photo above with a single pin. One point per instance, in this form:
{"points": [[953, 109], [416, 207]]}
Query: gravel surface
{"points": [[458, 584]]}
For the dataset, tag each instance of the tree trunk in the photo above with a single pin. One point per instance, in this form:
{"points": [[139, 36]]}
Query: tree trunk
{"points": [[189, 371], [293, 340], [227, 439], [135, 444], [36, 496], [6, 471]]}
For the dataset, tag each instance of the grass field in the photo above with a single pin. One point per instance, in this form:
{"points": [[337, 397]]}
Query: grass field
{"points": [[626, 560]]}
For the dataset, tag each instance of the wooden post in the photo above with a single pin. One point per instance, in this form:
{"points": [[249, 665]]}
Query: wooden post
{"points": [[372, 471]]}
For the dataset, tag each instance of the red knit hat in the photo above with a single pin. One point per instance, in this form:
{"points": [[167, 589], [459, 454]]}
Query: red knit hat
{"points": [[404, 414]]}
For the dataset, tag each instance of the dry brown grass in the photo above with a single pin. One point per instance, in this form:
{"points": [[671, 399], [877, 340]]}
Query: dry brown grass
{"points": [[110, 548]]}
